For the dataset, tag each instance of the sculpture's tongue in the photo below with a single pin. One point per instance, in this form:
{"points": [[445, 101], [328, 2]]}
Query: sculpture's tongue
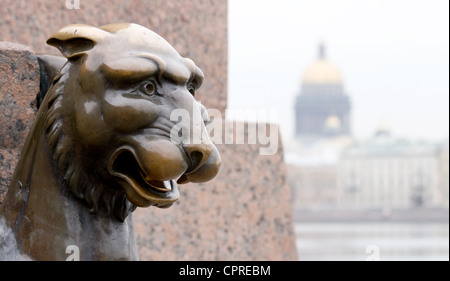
{"points": [[163, 186]]}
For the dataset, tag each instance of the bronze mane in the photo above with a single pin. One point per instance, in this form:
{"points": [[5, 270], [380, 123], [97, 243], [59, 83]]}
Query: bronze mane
{"points": [[101, 146]]}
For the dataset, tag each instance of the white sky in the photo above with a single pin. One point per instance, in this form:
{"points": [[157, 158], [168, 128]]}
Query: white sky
{"points": [[393, 55]]}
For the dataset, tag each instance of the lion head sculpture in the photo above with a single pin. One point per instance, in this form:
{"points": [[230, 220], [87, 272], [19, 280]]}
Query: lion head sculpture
{"points": [[108, 119]]}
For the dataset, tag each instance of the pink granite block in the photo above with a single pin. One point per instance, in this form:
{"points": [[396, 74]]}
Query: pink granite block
{"points": [[196, 28], [19, 85]]}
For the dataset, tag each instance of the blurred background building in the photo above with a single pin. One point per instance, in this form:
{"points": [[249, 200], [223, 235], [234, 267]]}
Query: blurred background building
{"points": [[390, 173], [322, 108], [444, 174], [331, 170]]}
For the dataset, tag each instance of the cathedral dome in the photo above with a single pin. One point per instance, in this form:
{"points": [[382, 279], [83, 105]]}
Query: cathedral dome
{"points": [[322, 107], [322, 71]]}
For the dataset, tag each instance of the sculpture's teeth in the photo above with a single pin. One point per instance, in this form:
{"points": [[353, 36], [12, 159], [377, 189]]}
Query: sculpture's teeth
{"points": [[168, 185], [163, 186]]}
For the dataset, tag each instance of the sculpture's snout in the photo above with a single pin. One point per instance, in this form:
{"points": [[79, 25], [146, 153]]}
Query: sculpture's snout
{"points": [[205, 163]]}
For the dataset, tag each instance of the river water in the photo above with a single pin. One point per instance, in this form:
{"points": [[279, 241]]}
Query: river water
{"points": [[372, 241]]}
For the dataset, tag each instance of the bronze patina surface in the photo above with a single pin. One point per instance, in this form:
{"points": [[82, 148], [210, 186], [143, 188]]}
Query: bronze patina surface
{"points": [[101, 145]]}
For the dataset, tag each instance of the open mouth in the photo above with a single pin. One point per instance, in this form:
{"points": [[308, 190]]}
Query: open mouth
{"points": [[144, 191]]}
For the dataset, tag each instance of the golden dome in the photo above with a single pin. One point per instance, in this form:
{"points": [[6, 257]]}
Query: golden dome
{"points": [[322, 71]]}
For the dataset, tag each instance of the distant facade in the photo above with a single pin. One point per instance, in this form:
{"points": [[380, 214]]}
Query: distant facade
{"points": [[444, 174], [387, 173], [381, 173], [322, 108]]}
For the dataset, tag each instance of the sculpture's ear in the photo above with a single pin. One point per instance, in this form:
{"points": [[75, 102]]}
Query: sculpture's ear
{"points": [[76, 39]]}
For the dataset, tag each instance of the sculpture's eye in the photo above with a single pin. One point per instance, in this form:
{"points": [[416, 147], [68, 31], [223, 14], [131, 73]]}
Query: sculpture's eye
{"points": [[148, 88], [191, 90]]}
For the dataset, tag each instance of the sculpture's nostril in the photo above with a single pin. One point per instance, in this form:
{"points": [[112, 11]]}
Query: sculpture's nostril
{"points": [[198, 154], [196, 157]]}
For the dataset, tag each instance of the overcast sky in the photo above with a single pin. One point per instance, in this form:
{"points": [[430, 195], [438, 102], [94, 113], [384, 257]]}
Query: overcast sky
{"points": [[393, 55]]}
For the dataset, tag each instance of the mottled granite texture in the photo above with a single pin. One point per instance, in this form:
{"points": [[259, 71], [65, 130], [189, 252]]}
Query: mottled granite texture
{"points": [[196, 28], [19, 85], [243, 214]]}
